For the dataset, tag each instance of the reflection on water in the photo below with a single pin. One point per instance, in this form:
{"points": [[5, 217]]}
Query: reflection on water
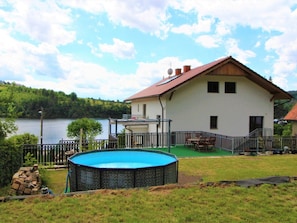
{"points": [[56, 129]]}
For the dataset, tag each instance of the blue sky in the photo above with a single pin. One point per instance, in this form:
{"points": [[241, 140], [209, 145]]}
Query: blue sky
{"points": [[113, 49]]}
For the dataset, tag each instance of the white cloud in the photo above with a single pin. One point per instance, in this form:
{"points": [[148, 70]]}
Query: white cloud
{"points": [[266, 14], [40, 36], [119, 48], [280, 81], [283, 72], [278, 16], [222, 29], [94, 50], [241, 55], [284, 67], [258, 44], [40, 21], [86, 5], [92, 80], [208, 41], [203, 25], [285, 47], [40, 60], [146, 16]]}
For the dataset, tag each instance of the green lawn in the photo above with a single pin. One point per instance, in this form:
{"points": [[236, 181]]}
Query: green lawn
{"points": [[183, 151], [192, 203]]}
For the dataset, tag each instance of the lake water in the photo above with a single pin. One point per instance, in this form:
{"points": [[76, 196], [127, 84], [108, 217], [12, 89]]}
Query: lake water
{"points": [[56, 129]]}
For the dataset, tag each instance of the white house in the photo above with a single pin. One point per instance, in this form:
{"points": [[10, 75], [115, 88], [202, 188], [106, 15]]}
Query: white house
{"points": [[222, 97]]}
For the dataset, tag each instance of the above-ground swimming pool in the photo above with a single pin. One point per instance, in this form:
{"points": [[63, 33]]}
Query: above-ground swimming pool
{"points": [[121, 168]]}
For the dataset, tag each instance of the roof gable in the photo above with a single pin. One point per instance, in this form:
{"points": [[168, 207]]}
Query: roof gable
{"points": [[228, 69], [292, 114], [225, 66]]}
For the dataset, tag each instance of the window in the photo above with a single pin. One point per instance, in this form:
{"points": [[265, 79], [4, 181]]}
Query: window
{"points": [[230, 87], [213, 87], [213, 122]]}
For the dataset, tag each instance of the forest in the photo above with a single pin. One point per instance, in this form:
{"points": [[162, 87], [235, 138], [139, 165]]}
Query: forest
{"points": [[26, 102]]}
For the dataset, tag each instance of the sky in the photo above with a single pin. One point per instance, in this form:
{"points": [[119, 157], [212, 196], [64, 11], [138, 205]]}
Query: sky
{"points": [[112, 49]]}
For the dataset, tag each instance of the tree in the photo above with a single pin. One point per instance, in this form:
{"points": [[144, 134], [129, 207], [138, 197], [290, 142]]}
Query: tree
{"points": [[90, 128], [58, 104], [7, 125]]}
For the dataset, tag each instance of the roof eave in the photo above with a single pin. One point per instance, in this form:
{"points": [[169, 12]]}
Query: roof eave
{"points": [[140, 98]]}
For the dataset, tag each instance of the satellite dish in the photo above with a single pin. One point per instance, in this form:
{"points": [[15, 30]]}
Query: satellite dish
{"points": [[170, 71]]}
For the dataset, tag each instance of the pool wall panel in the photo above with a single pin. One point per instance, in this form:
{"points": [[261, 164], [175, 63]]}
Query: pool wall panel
{"points": [[84, 178]]}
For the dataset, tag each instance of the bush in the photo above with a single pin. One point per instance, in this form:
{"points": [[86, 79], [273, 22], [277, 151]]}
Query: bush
{"points": [[30, 160], [11, 155], [283, 130], [10, 161]]}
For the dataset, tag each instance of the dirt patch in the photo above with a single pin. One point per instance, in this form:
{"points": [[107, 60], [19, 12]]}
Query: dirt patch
{"points": [[188, 179], [184, 181]]}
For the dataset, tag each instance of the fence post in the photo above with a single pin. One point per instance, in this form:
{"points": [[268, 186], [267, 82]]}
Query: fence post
{"points": [[232, 143]]}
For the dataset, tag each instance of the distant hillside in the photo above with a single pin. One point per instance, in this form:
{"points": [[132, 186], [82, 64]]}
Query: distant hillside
{"points": [[28, 101], [294, 94], [281, 107]]}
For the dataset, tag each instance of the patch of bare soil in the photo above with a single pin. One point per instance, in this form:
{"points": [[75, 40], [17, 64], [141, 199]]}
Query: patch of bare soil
{"points": [[188, 179], [184, 181]]}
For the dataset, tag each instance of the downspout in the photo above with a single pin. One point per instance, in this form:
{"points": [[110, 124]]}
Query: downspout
{"points": [[162, 123]]}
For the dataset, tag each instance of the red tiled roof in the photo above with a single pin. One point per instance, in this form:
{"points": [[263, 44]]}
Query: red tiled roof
{"points": [[170, 83], [292, 114]]}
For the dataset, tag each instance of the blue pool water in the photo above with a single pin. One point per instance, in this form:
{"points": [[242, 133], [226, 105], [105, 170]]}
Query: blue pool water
{"points": [[123, 159]]}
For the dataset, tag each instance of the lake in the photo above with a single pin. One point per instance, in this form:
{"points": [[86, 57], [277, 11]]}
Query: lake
{"points": [[56, 129]]}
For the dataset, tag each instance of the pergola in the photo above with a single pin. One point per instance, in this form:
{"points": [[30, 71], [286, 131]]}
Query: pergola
{"points": [[139, 122]]}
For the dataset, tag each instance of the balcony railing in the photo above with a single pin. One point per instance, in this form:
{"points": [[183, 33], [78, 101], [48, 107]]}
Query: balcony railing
{"points": [[133, 116]]}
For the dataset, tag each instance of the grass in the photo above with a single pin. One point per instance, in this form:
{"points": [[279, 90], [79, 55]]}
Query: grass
{"points": [[183, 151], [192, 203]]}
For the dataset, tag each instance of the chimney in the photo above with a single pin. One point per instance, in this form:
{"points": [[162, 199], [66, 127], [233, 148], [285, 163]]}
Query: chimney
{"points": [[187, 68], [177, 71]]}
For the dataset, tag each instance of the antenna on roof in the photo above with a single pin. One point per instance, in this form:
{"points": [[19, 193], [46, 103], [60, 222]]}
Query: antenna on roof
{"points": [[170, 71]]}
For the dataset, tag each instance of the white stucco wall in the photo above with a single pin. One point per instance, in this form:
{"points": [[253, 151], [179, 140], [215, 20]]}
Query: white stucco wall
{"points": [[191, 106], [153, 108]]}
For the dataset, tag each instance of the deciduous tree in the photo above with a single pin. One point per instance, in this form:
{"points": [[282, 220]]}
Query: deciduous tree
{"points": [[90, 128]]}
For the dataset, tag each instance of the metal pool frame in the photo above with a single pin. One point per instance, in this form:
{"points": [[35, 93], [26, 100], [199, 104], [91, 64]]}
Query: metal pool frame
{"points": [[84, 178]]}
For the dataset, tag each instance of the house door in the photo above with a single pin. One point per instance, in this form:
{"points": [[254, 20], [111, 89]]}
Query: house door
{"points": [[256, 122]]}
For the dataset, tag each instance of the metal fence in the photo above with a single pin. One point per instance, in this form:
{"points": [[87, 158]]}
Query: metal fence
{"points": [[57, 154], [254, 142]]}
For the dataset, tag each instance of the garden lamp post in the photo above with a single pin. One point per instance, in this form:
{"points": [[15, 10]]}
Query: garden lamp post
{"points": [[41, 125]]}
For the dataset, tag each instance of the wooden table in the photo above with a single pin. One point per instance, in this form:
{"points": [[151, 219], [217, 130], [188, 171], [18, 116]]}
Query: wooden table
{"points": [[200, 144]]}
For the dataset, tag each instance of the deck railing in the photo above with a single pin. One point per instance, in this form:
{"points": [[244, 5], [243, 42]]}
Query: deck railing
{"points": [[57, 154]]}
